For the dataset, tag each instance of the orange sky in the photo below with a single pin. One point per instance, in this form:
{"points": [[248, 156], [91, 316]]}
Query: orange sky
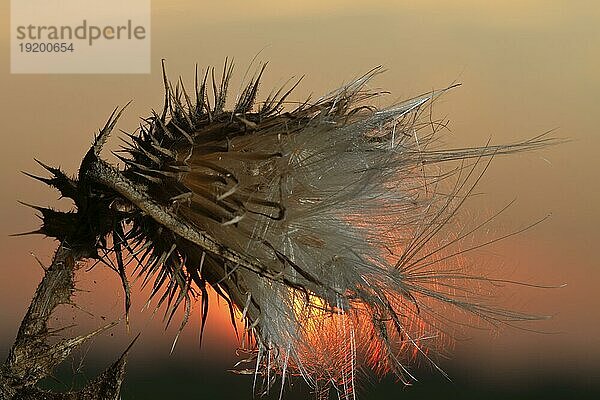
{"points": [[526, 67]]}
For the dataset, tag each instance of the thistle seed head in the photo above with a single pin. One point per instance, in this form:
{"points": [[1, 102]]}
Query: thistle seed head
{"points": [[325, 226]]}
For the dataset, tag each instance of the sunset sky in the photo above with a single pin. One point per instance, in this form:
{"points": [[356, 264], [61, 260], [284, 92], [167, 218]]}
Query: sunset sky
{"points": [[526, 67]]}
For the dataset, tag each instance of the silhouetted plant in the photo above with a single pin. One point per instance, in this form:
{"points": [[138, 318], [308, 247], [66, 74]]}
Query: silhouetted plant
{"points": [[324, 224]]}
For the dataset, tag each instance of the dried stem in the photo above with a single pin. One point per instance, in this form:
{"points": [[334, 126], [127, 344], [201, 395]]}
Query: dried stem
{"points": [[33, 357]]}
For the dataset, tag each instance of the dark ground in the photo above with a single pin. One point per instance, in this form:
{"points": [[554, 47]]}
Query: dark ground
{"points": [[192, 381]]}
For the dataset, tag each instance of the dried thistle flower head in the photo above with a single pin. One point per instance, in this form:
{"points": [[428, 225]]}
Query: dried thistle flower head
{"points": [[325, 226]]}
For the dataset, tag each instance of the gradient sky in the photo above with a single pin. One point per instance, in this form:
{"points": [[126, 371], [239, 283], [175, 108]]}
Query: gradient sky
{"points": [[526, 67]]}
